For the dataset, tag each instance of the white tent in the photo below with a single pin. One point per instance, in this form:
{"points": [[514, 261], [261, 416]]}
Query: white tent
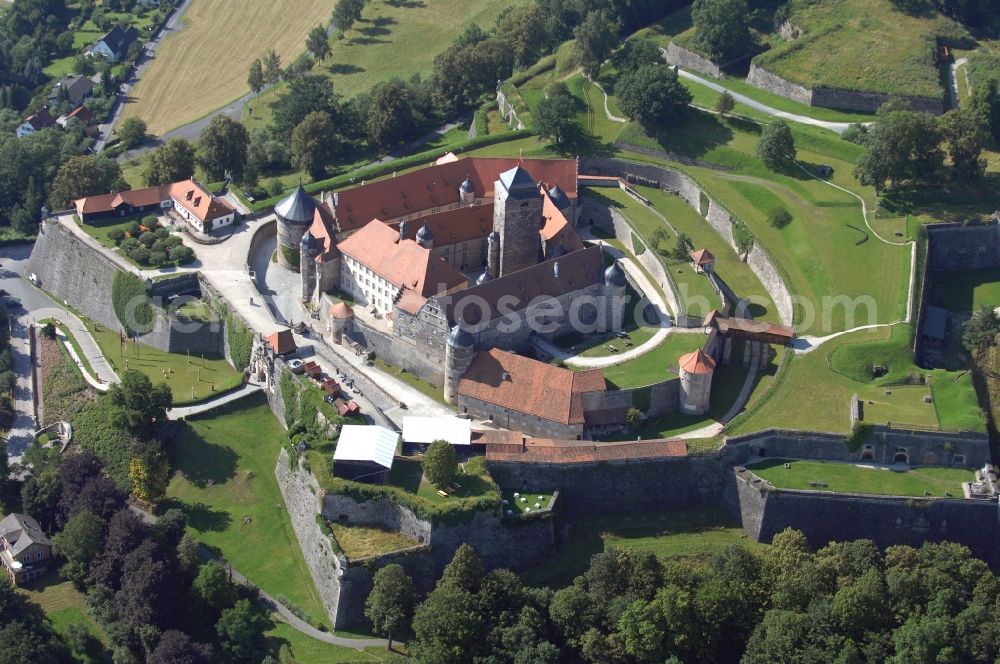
{"points": [[424, 430], [359, 442]]}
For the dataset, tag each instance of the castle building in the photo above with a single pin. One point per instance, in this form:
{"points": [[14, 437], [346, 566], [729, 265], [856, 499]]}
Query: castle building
{"points": [[295, 214], [696, 370]]}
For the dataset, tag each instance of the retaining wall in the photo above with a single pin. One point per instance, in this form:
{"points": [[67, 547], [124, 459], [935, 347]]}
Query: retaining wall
{"points": [[687, 59], [963, 248]]}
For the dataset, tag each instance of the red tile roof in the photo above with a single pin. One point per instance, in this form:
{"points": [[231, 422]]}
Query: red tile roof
{"points": [[83, 114], [519, 383], [697, 362], [191, 196], [545, 450], [402, 263], [341, 310], [437, 185], [40, 119], [188, 193], [702, 257], [282, 342], [410, 302], [556, 228], [754, 327]]}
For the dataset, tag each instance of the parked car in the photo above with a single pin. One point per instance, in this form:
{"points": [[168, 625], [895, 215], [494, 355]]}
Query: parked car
{"points": [[247, 194], [297, 366]]}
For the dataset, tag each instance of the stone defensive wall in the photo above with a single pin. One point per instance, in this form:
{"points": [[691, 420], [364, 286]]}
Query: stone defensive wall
{"points": [[844, 100], [72, 271], [887, 520], [955, 247], [922, 448], [687, 59], [714, 213]]}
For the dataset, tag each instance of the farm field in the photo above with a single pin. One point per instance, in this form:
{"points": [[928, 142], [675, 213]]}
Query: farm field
{"points": [[204, 66], [191, 379], [962, 292], [863, 45], [392, 39], [692, 534], [225, 484], [852, 478]]}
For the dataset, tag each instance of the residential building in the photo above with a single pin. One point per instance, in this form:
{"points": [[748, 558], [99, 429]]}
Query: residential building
{"points": [[203, 211], [114, 45], [73, 89], [26, 550], [35, 122], [80, 115]]}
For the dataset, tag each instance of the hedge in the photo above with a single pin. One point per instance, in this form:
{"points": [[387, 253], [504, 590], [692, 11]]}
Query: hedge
{"points": [[377, 170], [240, 340], [131, 304], [461, 511]]}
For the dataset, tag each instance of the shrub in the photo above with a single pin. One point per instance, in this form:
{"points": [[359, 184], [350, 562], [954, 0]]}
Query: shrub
{"points": [[131, 304], [240, 340], [157, 257], [162, 233], [440, 463], [128, 244], [147, 238], [779, 217], [149, 221], [7, 381], [140, 255], [135, 229], [6, 361], [116, 236], [181, 254]]}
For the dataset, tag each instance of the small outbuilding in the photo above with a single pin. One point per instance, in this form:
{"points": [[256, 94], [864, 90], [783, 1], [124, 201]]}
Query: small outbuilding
{"points": [[420, 432], [365, 453], [282, 342], [703, 260]]}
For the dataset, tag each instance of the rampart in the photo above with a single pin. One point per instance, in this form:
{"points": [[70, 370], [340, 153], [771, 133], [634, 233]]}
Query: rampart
{"points": [[845, 100], [73, 272], [715, 214], [952, 247], [688, 59]]}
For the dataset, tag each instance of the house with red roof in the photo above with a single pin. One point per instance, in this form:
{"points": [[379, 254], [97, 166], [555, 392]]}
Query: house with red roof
{"points": [[192, 202], [35, 122]]}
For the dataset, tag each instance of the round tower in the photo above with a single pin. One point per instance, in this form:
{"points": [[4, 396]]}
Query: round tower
{"points": [[307, 264], [341, 317], [458, 355], [696, 370], [295, 215], [425, 238], [467, 191], [493, 254]]}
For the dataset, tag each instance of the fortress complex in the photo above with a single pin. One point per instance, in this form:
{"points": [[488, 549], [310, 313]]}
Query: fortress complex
{"points": [[461, 256]]}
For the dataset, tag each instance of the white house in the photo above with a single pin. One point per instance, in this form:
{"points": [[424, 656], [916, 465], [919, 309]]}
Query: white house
{"points": [[114, 45]]}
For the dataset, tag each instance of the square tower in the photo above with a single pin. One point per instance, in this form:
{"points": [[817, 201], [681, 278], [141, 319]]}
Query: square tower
{"points": [[517, 218]]}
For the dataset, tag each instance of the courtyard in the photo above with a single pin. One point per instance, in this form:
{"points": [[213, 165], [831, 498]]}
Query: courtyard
{"points": [[863, 478]]}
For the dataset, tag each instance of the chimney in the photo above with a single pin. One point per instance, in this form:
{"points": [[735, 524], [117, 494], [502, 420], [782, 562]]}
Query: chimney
{"points": [[402, 231], [336, 199]]}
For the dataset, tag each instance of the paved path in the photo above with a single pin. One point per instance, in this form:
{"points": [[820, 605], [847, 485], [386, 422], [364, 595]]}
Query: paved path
{"points": [[178, 412], [88, 345], [838, 127], [173, 24], [607, 111], [98, 385], [953, 80]]}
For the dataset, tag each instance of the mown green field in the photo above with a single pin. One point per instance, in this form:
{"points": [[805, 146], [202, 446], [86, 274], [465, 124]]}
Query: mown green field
{"points": [[962, 292], [851, 478]]}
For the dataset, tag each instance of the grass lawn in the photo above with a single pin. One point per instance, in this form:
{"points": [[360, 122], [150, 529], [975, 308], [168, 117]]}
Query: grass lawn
{"points": [[818, 387], [204, 66], [191, 378], [306, 650], [955, 401], [961, 292], [411, 379], [692, 534], [225, 474], [525, 501], [657, 365], [64, 605], [866, 45], [818, 251], [392, 39], [360, 541], [852, 478], [408, 474]]}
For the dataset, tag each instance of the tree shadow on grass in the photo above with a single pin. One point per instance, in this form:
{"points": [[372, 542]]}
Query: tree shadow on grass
{"points": [[344, 69], [200, 516], [693, 138], [200, 461], [406, 4]]}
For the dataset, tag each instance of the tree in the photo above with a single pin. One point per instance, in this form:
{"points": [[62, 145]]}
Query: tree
{"points": [[779, 217], [776, 147], [223, 148], [85, 176], [305, 95], [213, 587], [722, 27], [346, 13], [171, 162], [465, 570], [652, 96], [79, 542], [177, 648], [985, 102], [446, 626], [682, 250], [556, 113], [633, 417], [638, 53], [391, 113], [317, 44], [967, 136], [314, 144], [132, 132], [440, 463], [464, 71], [390, 604], [255, 78], [901, 146], [241, 632], [149, 472], [140, 405], [980, 331], [724, 105], [272, 67], [596, 37], [527, 30], [659, 238]]}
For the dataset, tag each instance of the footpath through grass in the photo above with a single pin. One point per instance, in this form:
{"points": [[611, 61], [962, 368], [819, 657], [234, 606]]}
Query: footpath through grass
{"points": [[191, 378], [696, 534], [852, 478], [225, 484]]}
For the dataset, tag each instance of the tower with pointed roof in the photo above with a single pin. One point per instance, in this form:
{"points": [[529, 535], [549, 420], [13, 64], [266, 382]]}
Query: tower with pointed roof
{"points": [[460, 350], [517, 218], [307, 264], [295, 214], [695, 369]]}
